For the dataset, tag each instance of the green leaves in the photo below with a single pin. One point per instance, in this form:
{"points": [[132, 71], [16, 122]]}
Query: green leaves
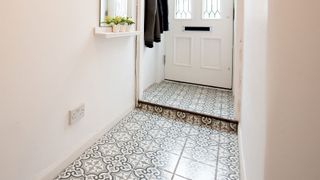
{"points": [[108, 20], [129, 21], [118, 20]]}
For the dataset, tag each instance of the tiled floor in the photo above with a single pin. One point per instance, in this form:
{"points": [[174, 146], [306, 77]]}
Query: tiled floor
{"points": [[146, 145], [201, 99]]}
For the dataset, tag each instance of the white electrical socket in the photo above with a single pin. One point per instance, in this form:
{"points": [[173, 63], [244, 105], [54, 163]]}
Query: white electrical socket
{"points": [[77, 114]]}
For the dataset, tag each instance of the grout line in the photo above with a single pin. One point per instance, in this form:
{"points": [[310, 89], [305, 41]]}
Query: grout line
{"points": [[217, 164], [182, 177], [200, 162], [185, 143]]}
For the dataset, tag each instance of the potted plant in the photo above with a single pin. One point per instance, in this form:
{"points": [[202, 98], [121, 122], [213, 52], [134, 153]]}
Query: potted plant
{"points": [[130, 24], [115, 24], [108, 22], [123, 24]]}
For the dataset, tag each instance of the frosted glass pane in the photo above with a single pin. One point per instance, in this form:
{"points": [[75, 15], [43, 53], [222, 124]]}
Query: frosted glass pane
{"points": [[183, 9], [211, 9]]}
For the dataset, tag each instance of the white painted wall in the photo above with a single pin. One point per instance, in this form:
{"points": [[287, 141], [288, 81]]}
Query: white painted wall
{"points": [[252, 127], [152, 67], [293, 136], [50, 62], [279, 128], [151, 60]]}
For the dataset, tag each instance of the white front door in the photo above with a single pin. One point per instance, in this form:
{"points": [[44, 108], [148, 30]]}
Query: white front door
{"points": [[194, 54]]}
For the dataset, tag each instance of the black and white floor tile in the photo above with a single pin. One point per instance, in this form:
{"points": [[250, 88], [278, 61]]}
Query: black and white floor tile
{"points": [[146, 145], [200, 99]]}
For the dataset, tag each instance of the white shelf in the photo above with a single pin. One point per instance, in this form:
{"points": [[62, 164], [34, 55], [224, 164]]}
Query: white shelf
{"points": [[106, 32]]}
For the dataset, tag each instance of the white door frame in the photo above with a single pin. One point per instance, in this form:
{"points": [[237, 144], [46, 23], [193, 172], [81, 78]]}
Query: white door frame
{"points": [[138, 48], [238, 56]]}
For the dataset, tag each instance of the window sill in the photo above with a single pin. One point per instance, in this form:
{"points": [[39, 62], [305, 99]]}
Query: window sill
{"points": [[106, 33]]}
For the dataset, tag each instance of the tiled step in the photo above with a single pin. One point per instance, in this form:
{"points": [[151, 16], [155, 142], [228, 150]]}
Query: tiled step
{"points": [[188, 116]]}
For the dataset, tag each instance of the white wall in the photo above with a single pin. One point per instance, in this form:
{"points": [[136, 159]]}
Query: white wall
{"points": [[50, 62], [151, 60], [280, 117], [253, 108], [293, 136], [152, 67]]}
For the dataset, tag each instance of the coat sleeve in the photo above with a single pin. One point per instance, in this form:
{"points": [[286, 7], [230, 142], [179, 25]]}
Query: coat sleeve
{"points": [[157, 28], [165, 12], [160, 13], [150, 22]]}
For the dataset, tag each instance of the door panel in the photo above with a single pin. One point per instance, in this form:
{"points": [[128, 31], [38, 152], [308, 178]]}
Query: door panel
{"points": [[201, 57], [211, 53], [182, 51]]}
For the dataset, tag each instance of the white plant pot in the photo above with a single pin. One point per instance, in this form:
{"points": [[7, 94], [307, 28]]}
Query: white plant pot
{"points": [[123, 28], [130, 28], [109, 28], [115, 28]]}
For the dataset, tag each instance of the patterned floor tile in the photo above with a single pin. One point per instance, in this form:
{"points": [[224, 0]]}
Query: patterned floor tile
{"points": [[149, 168], [150, 173], [146, 145], [228, 157], [179, 178], [169, 144], [209, 133], [201, 99], [163, 160], [195, 170], [203, 152], [172, 137]]}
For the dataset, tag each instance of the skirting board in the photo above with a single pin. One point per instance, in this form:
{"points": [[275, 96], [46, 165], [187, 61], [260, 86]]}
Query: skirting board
{"points": [[243, 175], [52, 171]]}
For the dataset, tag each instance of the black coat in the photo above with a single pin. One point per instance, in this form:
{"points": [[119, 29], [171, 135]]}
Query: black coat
{"points": [[165, 15], [150, 22], [156, 21]]}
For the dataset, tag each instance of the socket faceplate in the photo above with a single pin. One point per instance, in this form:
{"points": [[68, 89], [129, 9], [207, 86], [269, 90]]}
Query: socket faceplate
{"points": [[76, 114]]}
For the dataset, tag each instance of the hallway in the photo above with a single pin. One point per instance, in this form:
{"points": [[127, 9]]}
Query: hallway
{"points": [[168, 145], [73, 74]]}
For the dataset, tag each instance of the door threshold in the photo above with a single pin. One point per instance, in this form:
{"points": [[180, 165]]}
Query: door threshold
{"points": [[216, 87]]}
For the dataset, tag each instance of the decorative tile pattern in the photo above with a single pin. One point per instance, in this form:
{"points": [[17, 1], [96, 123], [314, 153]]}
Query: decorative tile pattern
{"points": [[194, 170], [202, 145], [194, 98], [150, 143], [186, 117], [228, 158], [176, 177]]}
